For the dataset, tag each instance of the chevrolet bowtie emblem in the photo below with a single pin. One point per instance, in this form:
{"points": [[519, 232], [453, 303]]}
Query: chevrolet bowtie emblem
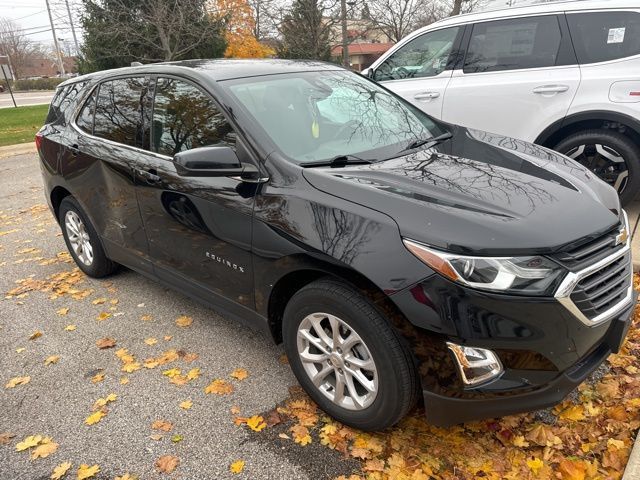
{"points": [[622, 236]]}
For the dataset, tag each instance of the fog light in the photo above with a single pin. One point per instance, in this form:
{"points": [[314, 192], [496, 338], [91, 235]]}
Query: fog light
{"points": [[476, 365]]}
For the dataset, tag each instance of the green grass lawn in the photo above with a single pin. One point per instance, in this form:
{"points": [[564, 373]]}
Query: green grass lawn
{"points": [[19, 125]]}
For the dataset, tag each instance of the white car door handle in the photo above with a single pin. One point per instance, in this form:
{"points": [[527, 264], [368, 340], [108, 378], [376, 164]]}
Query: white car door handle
{"points": [[551, 89], [426, 95]]}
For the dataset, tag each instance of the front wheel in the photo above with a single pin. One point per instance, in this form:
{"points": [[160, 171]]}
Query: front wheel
{"points": [[347, 356], [612, 156]]}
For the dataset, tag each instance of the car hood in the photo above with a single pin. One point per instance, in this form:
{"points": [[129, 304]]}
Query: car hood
{"points": [[481, 193]]}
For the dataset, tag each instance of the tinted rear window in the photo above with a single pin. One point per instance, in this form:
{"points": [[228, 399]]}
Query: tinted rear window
{"points": [[119, 109], [529, 42], [602, 36]]}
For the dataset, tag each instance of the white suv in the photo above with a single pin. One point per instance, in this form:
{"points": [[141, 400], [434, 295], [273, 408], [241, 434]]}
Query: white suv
{"points": [[563, 75]]}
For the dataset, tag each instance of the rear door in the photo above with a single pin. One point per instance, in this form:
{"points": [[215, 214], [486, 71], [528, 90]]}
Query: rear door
{"points": [[519, 75], [199, 228], [108, 142], [420, 70]]}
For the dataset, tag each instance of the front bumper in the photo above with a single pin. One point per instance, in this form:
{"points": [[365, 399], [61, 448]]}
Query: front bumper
{"points": [[546, 351]]}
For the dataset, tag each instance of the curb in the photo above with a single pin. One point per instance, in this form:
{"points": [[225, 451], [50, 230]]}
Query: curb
{"points": [[632, 470], [18, 149]]}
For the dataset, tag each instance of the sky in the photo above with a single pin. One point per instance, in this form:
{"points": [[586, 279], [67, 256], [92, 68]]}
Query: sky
{"points": [[31, 16]]}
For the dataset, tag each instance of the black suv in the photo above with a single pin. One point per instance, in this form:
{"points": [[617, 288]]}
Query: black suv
{"points": [[393, 254]]}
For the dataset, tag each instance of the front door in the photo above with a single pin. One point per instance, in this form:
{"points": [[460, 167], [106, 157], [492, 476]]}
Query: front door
{"points": [[420, 70], [199, 228], [518, 77]]}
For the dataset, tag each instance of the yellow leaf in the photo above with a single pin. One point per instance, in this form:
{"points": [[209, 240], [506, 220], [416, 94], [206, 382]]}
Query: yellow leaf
{"points": [[101, 402], [237, 466], [97, 378], [301, 435], [617, 444], [151, 341], [63, 311], [168, 337], [28, 442], [219, 387], [184, 321], [186, 405], [60, 471], [124, 380], [240, 374], [15, 381], [52, 359], [535, 464], [146, 318], [103, 316], [85, 471], [173, 372], [131, 367], [99, 301], [44, 450], [575, 413], [20, 350], [193, 374], [95, 417], [70, 328], [256, 423], [36, 334], [127, 476], [519, 441]]}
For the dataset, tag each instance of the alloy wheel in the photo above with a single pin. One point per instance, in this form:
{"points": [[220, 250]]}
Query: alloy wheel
{"points": [[604, 161], [337, 361], [78, 237]]}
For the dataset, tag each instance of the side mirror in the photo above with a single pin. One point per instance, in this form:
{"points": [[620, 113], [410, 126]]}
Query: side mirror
{"points": [[218, 161], [368, 72]]}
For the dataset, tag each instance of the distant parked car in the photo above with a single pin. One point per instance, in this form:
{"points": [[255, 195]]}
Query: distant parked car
{"points": [[1, 88], [563, 75]]}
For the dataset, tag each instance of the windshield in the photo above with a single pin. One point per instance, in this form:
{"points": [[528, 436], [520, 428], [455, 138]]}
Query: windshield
{"points": [[314, 116]]}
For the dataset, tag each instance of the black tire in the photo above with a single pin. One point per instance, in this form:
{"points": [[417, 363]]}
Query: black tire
{"points": [[397, 376], [617, 141], [100, 266]]}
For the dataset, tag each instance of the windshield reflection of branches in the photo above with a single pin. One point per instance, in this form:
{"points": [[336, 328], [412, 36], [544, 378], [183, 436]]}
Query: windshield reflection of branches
{"points": [[476, 179], [341, 234]]}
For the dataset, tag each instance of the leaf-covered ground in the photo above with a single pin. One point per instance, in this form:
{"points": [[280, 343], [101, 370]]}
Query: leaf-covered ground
{"points": [[121, 378]]}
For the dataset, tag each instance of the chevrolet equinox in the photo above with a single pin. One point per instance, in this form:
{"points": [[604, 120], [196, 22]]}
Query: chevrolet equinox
{"points": [[396, 256]]}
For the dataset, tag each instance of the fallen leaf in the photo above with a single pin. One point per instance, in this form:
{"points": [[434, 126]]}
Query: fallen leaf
{"points": [[176, 438], [97, 378], [535, 464], [151, 341], [99, 301], [124, 380], [520, 442], [256, 423], [36, 334], [30, 441], [127, 476], [186, 405], [146, 318], [240, 374], [155, 437], [237, 466], [52, 359], [63, 311], [575, 413], [95, 417], [70, 328], [85, 471], [162, 425], [193, 374], [219, 387], [572, 470], [103, 316], [5, 438], [131, 367], [60, 471], [20, 350], [44, 450], [184, 321], [106, 342], [15, 381], [301, 435], [167, 463], [235, 410], [168, 337]]}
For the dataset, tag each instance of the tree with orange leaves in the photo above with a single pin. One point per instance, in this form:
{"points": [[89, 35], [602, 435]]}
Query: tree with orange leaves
{"points": [[240, 25]]}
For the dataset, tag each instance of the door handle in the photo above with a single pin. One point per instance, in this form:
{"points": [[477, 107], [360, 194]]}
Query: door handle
{"points": [[149, 175], [75, 150], [426, 95], [551, 89]]}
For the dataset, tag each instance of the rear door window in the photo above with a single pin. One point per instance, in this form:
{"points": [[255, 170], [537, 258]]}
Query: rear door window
{"points": [[603, 36], [529, 42], [84, 121], [119, 110], [185, 117], [60, 105]]}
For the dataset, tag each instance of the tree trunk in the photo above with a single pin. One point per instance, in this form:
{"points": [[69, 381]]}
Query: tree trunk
{"points": [[457, 6]]}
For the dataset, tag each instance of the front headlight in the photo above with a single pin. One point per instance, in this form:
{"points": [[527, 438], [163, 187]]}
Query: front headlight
{"points": [[532, 275]]}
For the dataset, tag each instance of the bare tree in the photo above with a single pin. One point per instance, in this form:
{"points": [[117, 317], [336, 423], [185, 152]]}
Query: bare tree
{"points": [[394, 17], [15, 44]]}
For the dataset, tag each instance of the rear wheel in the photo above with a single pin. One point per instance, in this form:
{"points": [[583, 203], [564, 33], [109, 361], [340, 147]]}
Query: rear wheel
{"points": [[347, 356], [612, 156], [82, 240]]}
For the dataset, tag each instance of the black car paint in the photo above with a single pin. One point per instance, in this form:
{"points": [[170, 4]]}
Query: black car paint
{"points": [[243, 248]]}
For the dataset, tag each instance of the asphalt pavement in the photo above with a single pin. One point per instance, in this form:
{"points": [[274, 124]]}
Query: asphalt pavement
{"points": [[26, 98], [59, 396]]}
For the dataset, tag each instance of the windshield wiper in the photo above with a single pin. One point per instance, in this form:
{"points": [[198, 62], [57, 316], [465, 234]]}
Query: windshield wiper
{"points": [[432, 140], [337, 162]]}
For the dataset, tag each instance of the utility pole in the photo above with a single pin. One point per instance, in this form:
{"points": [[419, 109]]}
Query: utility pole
{"points": [[55, 40], [345, 40], [73, 30]]}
